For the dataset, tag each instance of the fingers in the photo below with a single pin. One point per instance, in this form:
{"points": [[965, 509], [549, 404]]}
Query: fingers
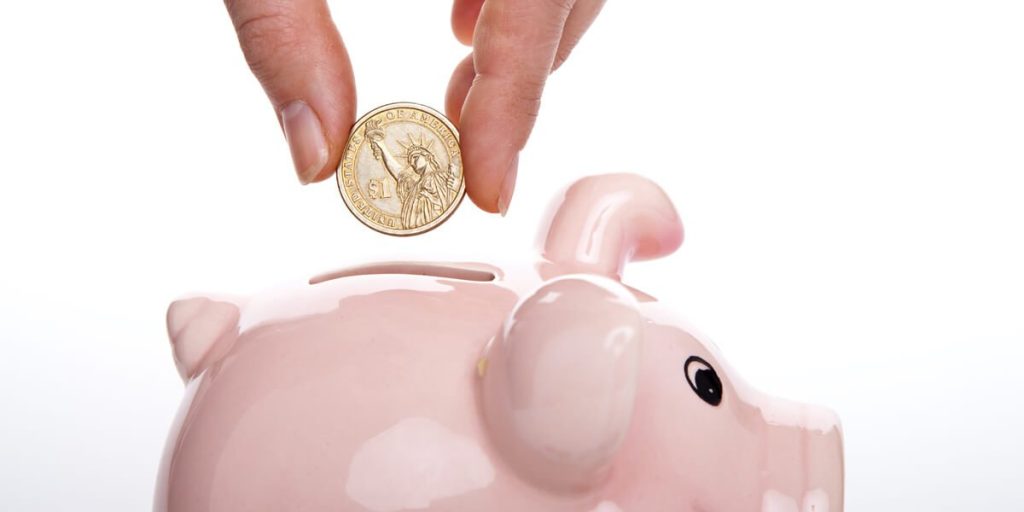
{"points": [[295, 52], [494, 94], [580, 18], [514, 47], [464, 15], [458, 87], [583, 14]]}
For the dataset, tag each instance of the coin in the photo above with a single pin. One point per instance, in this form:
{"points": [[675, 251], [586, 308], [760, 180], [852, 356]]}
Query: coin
{"points": [[401, 172]]}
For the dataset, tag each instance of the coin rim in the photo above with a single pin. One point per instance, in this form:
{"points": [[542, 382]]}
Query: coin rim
{"points": [[404, 232]]}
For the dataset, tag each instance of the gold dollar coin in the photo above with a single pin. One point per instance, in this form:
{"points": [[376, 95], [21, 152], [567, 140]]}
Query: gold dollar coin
{"points": [[401, 172]]}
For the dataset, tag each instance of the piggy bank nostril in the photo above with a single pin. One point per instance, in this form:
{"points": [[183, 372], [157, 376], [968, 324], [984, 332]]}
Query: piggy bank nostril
{"points": [[703, 380]]}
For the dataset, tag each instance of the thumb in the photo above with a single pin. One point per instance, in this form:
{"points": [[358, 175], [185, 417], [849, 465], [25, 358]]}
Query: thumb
{"points": [[296, 53]]}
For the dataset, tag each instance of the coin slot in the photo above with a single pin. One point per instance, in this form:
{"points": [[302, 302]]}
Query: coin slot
{"points": [[416, 269]]}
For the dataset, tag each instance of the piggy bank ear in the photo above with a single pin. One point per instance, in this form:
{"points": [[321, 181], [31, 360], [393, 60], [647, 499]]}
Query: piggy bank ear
{"points": [[557, 384], [201, 331], [601, 222]]}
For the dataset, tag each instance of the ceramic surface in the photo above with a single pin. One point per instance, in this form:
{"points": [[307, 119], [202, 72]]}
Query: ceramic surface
{"points": [[550, 386]]}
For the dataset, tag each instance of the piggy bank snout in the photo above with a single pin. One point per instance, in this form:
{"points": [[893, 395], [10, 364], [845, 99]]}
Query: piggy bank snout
{"points": [[559, 381], [824, 470], [814, 478]]}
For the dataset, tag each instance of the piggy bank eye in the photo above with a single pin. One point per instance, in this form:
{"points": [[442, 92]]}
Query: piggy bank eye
{"points": [[703, 380]]}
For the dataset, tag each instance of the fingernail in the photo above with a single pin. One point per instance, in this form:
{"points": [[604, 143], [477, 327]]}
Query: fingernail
{"points": [[305, 137], [508, 185]]}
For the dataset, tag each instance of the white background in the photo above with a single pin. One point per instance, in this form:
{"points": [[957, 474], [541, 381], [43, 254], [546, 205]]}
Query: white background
{"points": [[849, 174]]}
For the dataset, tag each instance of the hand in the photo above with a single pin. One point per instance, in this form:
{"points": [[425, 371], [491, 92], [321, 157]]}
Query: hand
{"points": [[494, 94], [298, 56], [296, 53]]}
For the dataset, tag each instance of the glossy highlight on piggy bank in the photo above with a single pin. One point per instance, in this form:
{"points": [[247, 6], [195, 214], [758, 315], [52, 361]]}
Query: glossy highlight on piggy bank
{"points": [[543, 386]]}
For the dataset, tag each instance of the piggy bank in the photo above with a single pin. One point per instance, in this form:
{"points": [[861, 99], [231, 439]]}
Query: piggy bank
{"points": [[544, 386]]}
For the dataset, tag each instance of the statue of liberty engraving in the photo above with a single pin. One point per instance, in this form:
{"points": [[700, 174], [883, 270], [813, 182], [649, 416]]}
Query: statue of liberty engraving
{"points": [[423, 187]]}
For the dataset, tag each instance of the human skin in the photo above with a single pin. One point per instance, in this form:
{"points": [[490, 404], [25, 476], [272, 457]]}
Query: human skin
{"points": [[297, 54]]}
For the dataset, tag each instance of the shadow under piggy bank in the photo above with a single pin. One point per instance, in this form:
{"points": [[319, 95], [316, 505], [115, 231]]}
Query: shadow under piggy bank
{"points": [[466, 387]]}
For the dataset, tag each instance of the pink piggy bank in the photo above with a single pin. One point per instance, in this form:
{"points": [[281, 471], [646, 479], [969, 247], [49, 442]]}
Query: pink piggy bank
{"points": [[467, 387]]}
